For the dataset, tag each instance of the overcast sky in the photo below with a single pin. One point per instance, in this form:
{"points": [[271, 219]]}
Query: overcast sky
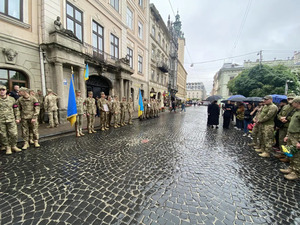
{"points": [[214, 29]]}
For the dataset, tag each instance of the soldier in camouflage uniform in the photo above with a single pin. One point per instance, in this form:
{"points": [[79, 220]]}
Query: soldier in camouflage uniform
{"points": [[103, 107], [9, 115], [110, 113], [144, 116], [91, 108], [39, 96], [285, 116], [256, 131], [29, 109], [293, 139], [130, 110], [116, 111], [51, 108], [123, 106], [31, 93], [80, 113], [266, 119]]}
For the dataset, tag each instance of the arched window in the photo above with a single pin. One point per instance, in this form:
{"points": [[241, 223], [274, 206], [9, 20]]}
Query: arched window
{"points": [[10, 78]]}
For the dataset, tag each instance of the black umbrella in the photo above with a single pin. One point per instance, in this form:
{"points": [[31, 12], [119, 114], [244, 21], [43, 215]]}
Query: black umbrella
{"points": [[237, 98], [213, 98], [253, 99]]}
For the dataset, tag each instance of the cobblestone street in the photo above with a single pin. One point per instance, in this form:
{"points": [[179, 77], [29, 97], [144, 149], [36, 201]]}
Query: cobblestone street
{"points": [[185, 174]]}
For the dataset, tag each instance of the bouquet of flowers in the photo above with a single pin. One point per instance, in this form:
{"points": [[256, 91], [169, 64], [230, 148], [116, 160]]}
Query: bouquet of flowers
{"points": [[289, 151]]}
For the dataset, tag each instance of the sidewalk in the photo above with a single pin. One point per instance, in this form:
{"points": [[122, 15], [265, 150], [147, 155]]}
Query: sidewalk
{"points": [[65, 128]]}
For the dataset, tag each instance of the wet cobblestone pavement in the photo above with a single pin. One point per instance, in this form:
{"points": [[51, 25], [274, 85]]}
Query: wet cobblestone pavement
{"points": [[186, 174]]}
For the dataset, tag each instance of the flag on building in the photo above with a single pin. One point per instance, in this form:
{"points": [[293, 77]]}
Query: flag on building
{"points": [[72, 108], [86, 72], [141, 104]]}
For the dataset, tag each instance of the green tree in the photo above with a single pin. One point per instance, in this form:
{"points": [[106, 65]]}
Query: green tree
{"points": [[264, 80]]}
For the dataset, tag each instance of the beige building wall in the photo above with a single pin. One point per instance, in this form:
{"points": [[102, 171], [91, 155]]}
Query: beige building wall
{"points": [[19, 46], [181, 74], [158, 56], [194, 94]]}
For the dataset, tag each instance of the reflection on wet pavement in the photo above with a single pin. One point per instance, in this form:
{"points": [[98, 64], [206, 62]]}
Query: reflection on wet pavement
{"points": [[185, 173]]}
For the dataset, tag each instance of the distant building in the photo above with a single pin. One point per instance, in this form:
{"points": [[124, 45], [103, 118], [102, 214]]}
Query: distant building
{"points": [[195, 90], [230, 71]]}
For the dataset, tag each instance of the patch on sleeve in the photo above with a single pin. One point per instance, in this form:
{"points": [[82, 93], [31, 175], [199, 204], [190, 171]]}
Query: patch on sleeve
{"points": [[36, 104], [15, 106]]}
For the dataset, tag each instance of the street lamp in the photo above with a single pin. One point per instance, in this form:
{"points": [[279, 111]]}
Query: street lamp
{"points": [[287, 86]]}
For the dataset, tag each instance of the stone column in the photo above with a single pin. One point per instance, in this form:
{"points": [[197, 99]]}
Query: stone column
{"points": [[121, 88], [60, 92], [128, 89], [82, 86]]}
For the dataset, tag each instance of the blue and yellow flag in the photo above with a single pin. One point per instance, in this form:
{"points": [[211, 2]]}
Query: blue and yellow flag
{"points": [[86, 72], [141, 105], [72, 108]]}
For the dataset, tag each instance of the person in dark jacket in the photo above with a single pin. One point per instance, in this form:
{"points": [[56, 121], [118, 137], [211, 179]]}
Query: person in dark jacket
{"points": [[247, 119], [228, 109], [15, 92], [213, 111]]}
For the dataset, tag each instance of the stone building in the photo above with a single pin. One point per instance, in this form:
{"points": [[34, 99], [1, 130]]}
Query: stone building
{"points": [[41, 44], [159, 56], [195, 90]]}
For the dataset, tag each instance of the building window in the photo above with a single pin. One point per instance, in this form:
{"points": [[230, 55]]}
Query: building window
{"points": [[162, 79], [140, 64], [129, 18], [130, 56], [159, 38], [10, 78], [153, 53], [152, 75], [140, 30], [165, 80], [74, 20], [157, 78], [12, 8], [115, 4], [141, 3], [97, 37], [153, 31], [114, 46]]}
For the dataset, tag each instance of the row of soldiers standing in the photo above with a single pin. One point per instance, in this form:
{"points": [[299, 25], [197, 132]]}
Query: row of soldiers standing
{"points": [[109, 109], [151, 108]]}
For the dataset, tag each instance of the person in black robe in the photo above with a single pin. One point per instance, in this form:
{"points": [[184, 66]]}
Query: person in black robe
{"points": [[228, 110], [213, 112]]}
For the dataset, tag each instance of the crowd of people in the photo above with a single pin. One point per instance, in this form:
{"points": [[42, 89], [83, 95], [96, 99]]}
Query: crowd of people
{"points": [[270, 126]]}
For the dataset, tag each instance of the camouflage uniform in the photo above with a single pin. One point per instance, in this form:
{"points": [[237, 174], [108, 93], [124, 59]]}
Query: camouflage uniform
{"points": [[110, 114], [130, 110], [80, 111], [293, 135], [286, 110], [9, 113], [41, 99], [29, 109], [91, 108], [266, 119], [116, 112], [149, 108], [144, 116], [51, 108], [123, 106], [101, 103]]}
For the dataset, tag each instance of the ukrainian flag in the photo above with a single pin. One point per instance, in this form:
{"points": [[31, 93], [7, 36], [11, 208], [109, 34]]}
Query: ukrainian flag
{"points": [[86, 72], [72, 108], [141, 105]]}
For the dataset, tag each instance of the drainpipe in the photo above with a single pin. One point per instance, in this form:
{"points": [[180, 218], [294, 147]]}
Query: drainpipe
{"points": [[43, 72], [43, 78]]}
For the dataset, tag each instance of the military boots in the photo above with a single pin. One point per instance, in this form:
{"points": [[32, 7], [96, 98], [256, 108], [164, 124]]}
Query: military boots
{"points": [[26, 145]]}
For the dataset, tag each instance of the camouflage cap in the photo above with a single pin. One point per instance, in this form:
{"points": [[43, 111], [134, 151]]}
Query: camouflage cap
{"points": [[267, 97], [291, 95], [2, 87], [49, 90], [296, 99], [24, 89], [30, 90], [102, 93], [90, 92], [116, 96]]}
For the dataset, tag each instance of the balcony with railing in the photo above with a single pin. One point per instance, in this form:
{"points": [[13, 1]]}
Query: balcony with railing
{"points": [[163, 66], [99, 56]]}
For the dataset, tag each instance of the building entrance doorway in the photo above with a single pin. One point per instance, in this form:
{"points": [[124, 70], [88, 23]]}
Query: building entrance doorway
{"points": [[97, 84]]}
